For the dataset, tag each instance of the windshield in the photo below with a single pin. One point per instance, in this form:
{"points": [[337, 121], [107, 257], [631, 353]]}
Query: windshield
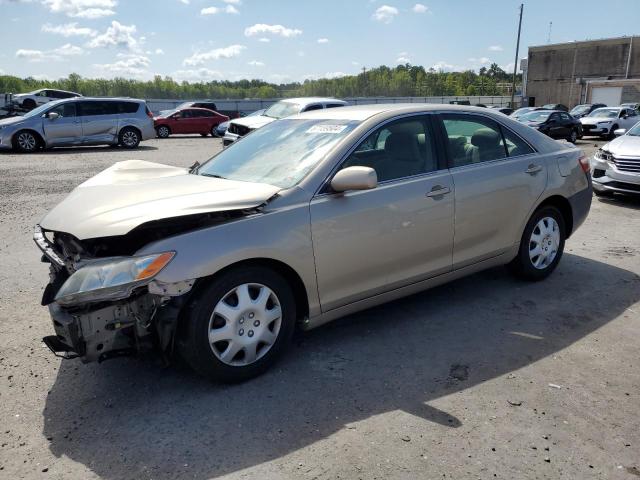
{"points": [[579, 109], [280, 154], [604, 113], [282, 109], [167, 113], [535, 116], [635, 130], [40, 110], [522, 111]]}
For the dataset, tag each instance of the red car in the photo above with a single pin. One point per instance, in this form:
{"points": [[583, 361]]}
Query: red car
{"points": [[188, 120]]}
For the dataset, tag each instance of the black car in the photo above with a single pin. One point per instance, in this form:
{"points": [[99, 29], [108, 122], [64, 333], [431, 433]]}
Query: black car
{"points": [[554, 123], [555, 106], [585, 109]]}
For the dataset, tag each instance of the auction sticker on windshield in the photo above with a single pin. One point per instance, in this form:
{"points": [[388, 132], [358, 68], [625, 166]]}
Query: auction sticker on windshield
{"points": [[327, 129]]}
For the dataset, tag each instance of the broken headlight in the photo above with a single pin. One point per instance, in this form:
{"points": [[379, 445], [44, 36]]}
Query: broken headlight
{"points": [[111, 279]]}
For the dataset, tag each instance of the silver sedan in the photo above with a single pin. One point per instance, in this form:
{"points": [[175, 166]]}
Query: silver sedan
{"points": [[308, 219]]}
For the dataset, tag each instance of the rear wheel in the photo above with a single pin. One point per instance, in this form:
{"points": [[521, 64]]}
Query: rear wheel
{"points": [[239, 324], [541, 245], [129, 137], [163, 131], [26, 141], [214, 132], [573, 137], [204, 134]]}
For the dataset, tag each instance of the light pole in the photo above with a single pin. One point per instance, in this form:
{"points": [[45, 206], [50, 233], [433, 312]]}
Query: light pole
{"points": [[515, 63]]}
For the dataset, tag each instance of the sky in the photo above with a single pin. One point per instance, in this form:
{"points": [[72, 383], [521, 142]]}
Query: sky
{"points": [[286, 40]]}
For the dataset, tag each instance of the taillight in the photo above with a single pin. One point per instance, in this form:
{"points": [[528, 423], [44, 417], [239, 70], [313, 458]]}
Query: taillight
{"points": [[149, 114], [584, 163]]}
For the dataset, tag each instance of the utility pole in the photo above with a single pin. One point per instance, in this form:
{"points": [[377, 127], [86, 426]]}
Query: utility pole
{"points": [[515, 64], [364, 81]]}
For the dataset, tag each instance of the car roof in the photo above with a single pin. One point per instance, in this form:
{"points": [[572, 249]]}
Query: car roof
{"points": [[309, 100], [194, 108], [363, 112]]}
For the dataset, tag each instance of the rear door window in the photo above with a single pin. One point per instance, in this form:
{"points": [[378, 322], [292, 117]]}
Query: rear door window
{"points": [[90, 108], [128, 107], [516, 146], [472, 139], [313, 107]]}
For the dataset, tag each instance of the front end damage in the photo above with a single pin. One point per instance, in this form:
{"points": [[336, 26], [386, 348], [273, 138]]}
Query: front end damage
{"points": [[136, 320]]}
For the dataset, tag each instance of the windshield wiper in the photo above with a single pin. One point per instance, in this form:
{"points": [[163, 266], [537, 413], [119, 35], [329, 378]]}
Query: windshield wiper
{"points": [[194, 168], [213, 175]]}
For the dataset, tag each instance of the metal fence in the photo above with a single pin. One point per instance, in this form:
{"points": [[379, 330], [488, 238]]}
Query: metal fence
{"points": [[251, 105]]}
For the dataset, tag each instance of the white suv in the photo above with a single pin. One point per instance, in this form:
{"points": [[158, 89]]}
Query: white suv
{"points": [[36, 98], [284, 108]]}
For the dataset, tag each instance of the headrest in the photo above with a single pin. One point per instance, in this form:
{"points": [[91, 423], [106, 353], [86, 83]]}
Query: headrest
{"points": [[401, 145], [485, 138]]}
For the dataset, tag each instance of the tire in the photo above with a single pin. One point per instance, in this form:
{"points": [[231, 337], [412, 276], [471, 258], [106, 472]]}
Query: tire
{"points": [[129, 138], [212, 317], [163, 131], [527, 264], [214, 134], [573, 138], [26, 141], [29, 104], [612, 135], [204, 134]]}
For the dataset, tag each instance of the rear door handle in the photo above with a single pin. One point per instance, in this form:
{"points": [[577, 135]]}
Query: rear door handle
{"points": [[533, 169], [438, 190]]}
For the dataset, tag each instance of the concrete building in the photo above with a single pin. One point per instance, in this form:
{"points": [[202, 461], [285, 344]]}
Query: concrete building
{"points": [[593, 71]]}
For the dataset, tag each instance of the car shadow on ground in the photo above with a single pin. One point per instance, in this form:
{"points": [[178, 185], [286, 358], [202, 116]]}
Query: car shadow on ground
{"points": [[130, 417], [623, 201]]}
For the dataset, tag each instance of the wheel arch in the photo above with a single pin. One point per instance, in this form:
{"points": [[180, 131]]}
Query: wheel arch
{"points": [[132, 127], [562, 204], [292, 277], [37, 134]]}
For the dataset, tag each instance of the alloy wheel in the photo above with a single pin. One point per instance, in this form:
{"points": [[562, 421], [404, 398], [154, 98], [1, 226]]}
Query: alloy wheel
{"points": [[129, 138], [245, 324], [27, 142], [163, 132], [544, 243]]}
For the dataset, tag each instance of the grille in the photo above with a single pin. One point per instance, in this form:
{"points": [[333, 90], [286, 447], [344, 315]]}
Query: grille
{"points": [[238, 129], [627, 164]]}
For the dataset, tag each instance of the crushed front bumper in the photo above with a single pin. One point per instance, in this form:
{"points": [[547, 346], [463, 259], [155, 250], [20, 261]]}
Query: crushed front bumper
{"points": [[608, 177]]}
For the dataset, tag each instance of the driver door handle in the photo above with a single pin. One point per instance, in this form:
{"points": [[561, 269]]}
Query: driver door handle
{"points": [[533, 169], [438, 190]]}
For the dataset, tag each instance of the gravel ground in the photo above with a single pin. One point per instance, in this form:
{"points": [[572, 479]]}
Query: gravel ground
{"points": [[486, 377]]}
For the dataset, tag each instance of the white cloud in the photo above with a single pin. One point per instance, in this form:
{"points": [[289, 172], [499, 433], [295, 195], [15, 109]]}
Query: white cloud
{"points": [[159, 51], [355, 63], [226, 52], [443, 66], [130, 65], [263, 28], [420, 8], [186, 2], [215, 10], [385, 14], [234, 2], [403, 60], [117, 35], [264, 40], [256, 63], [323, 40], [69, 30], [66, 50], [82, 8], [480, 61], [496, 48], [197, 75], [334, 74]]}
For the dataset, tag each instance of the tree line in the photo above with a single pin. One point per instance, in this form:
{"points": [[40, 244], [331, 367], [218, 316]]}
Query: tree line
{"points": [[400, 81]]}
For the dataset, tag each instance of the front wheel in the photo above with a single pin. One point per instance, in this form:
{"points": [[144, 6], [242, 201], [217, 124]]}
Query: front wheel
{"points": [[26, 142], [129, 138], [541, 245], [239, 324], [612, 135], [573, 137], [163, 131]]}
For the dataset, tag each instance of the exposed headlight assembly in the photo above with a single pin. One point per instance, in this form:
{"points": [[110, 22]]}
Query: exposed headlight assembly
{"points": [[111, 279]]}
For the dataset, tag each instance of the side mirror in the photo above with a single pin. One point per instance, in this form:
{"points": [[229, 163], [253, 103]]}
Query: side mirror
{"points": [[53, 116], [355, 178], [624, 116], [619, 132]]}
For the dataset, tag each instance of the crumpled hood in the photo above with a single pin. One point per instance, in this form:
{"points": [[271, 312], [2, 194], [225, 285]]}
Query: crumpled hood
{"points": [[624, 146], [134, 192], [254, 122]]}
